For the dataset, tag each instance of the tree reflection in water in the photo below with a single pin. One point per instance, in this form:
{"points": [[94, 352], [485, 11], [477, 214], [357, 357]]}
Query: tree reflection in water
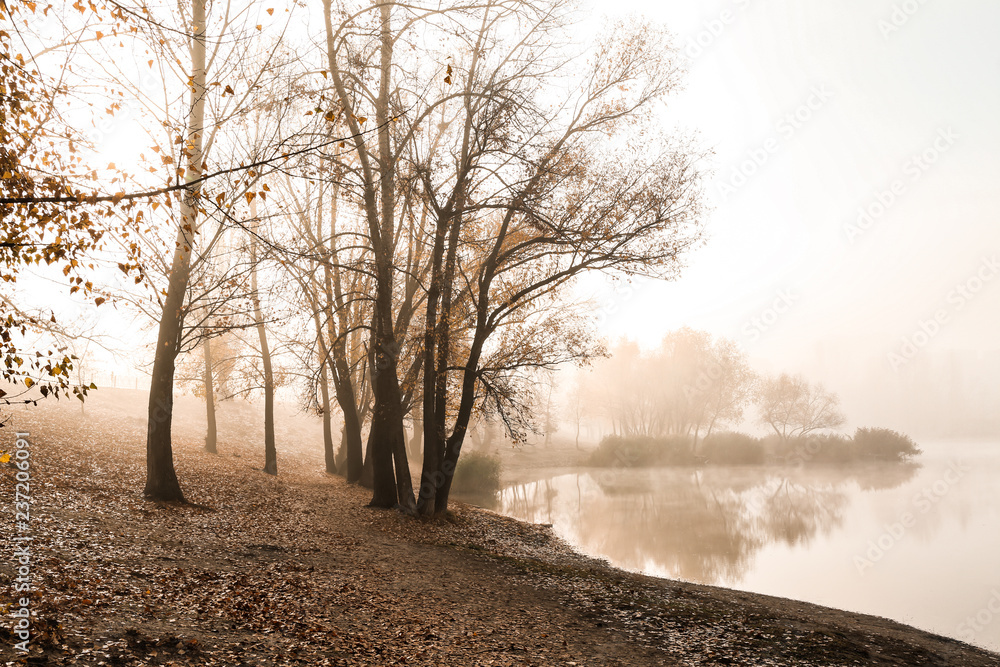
{"points": [[704, 525]]}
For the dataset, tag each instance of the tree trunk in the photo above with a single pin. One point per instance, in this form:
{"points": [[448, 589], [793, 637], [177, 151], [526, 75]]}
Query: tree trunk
{"points": [[347, 399], [324, 358], [433, 437], [342, 450], [366, 479], [210, 435], [380, 438], [324, 392], [161, 478], [270, 452], [453, 446]]}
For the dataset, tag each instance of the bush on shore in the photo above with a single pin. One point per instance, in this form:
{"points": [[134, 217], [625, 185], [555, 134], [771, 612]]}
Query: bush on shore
{"points": [[883, 444], [732, 448], [617, 451], [817, 448], [477, 473]]}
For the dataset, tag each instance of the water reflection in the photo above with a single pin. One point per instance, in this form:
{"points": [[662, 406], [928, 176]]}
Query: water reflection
{"points": [[700, 525]]}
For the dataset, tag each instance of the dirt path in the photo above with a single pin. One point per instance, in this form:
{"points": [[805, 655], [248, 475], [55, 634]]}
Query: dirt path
{"points": [[296, 571]]}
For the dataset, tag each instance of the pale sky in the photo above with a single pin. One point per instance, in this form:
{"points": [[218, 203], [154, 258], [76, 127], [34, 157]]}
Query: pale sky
{"points": [[872, 89]]}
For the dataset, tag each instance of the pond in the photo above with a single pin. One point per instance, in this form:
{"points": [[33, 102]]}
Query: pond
{"points": [[919, 544]]}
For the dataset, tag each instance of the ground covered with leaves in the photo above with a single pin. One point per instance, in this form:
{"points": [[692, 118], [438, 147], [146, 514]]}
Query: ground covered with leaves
{"points": [[295, 570]]}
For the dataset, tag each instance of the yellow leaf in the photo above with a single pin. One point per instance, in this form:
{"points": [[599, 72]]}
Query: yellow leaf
{"points": [[250, 196], [5, 458], [259, 27], [270, 11], [29, 382]]}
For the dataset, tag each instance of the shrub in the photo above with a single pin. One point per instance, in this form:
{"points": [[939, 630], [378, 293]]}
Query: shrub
{"points": [[882, 444], [617, 451], [477, 473], [819, 448], [730, 448], [835, 448]]}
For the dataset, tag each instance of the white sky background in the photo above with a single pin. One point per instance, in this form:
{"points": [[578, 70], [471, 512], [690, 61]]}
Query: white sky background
{"points": [[786, 228]]}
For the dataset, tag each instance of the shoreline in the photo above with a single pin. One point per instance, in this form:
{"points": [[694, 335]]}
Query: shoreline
{"points": [[844, 636], [601, 561]]}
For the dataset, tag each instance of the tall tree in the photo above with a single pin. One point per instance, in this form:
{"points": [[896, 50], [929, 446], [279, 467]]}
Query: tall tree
{"points": [[209, 127], [161, 478], [377, 181], [270, 450], [538, 194]]}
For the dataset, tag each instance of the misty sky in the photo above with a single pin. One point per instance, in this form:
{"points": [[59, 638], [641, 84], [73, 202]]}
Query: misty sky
{"points": [[872, 87]]}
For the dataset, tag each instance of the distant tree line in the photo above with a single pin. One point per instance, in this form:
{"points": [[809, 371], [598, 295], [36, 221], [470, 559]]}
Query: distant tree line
{"points": [[671, 404]]}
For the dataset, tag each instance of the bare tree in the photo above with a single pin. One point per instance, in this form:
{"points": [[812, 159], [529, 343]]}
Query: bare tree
{"points": [[334, 284], [793, 407], [161, 479], [533, 196]]}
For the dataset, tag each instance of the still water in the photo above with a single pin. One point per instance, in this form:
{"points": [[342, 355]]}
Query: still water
{"points": [[919, 544]]}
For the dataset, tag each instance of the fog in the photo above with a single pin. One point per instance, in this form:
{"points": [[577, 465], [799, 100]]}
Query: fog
{"points": [[793, 270], [813, 114], [710, 290]]}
